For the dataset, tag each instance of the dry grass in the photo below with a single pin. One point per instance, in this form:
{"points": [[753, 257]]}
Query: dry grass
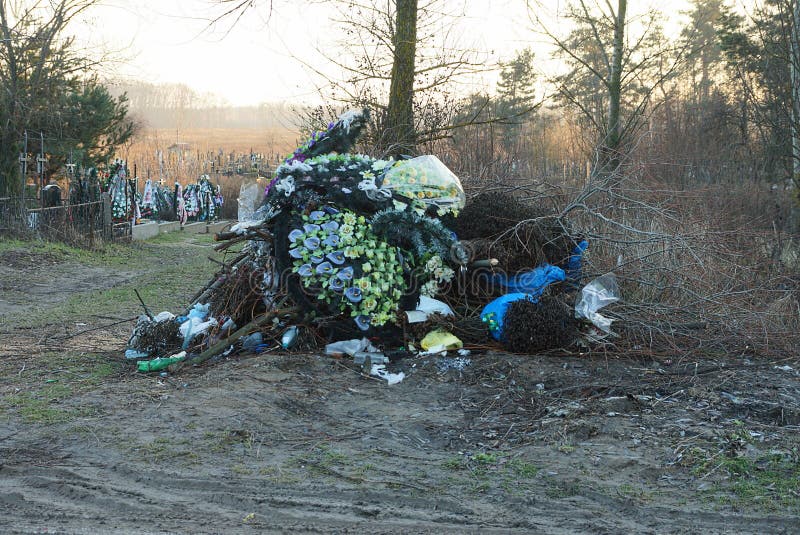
{"points": [[205, 144]]}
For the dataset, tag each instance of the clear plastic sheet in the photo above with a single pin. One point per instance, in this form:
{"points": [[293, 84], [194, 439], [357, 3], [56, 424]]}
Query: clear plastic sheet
{"points": [[599, 293]]}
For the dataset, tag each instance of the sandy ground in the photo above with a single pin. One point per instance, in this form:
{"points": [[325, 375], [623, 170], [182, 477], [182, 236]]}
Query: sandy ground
{"points": [[302, 442]]}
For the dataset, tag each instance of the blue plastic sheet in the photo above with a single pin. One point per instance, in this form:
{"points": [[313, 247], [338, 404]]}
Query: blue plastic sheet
{"points": [[575, 264], [531, 282], [528, 285]]}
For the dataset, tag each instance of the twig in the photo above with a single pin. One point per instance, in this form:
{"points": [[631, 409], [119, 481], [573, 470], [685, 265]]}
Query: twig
{"points": [[97, 328], [146, 310]]}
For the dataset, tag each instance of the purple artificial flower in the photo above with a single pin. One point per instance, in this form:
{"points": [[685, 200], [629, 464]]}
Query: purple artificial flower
{"points": [[295, 235], [311, 227], [346, 273], [317, 258], [312, 243], [337, 257], [330, 209], [324, 268], [305, 270], [353, 294], [271, 183], [336, 284], [316, 215], [330, 226], [331, 241], [362, 322], [297, 252]]}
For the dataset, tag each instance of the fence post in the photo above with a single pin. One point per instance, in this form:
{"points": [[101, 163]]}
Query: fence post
{"points": [[108, 231]]}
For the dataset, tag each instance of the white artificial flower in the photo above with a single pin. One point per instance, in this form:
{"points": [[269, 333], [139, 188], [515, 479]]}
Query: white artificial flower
{"points": [[286, 185], [380, 165], [348, 117]]}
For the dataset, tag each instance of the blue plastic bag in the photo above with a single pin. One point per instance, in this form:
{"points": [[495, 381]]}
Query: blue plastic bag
{"points": [[575, 264], [532, 282]]}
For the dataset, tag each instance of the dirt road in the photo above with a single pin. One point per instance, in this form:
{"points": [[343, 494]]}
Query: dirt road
{"points": [[287, 442]]}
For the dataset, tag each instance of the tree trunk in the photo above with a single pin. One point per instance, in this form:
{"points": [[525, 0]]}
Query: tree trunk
{"points": [[794, 65], [611, 144], [400, 132]]}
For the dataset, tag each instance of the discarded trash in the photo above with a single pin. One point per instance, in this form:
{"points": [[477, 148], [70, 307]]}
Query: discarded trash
{"points": [[494, 313], [426, 307], [531, 282], [379, 370], [159, 363], [375, 358], [289, 337], [252, 341], [349, 347], [445, 364], [136, 354], [441, 341], [347, 244], [600, 292], [249, 199], [195, 324]]}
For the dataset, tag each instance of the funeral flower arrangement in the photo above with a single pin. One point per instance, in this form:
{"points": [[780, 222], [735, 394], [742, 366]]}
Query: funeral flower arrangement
{"points": [[359, 236]]}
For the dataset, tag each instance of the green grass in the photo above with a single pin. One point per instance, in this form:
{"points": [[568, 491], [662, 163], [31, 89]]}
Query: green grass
{"points": [[763, 481], [767, 482], [43, 406], [50, 382], [482, 472], [168, 270]]}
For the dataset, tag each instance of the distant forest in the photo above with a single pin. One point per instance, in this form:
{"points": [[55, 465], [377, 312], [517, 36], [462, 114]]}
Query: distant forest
{"points": [[179, 106]]}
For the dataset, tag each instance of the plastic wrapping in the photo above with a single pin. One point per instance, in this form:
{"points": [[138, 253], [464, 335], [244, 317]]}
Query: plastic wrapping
{"points": [[426, 179], [602, 291], [249, 200]]}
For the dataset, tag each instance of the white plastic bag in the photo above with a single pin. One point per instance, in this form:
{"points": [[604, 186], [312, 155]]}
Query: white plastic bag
{"points": [[349, 347], [602, 291], [426, 307]]}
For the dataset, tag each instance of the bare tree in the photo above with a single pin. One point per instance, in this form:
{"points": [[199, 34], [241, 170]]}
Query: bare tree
{"points": [[613, 73]]}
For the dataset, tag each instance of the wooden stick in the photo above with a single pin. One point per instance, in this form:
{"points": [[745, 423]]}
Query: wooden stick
{"points": [[220, 346], [224, 236], [234, 241]]}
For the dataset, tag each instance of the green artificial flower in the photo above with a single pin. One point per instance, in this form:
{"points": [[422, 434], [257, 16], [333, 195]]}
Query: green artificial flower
{"points": [[363, 284], [369, 304]]}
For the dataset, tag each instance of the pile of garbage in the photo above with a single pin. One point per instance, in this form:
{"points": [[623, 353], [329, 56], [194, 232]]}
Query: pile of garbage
{"points": [[373, 256]]}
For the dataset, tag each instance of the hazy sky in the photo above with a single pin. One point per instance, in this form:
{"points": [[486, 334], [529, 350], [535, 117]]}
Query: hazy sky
{"points": [[261, 58]]}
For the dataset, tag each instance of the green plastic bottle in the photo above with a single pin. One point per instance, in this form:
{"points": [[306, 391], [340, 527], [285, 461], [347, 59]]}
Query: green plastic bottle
{"points": [[159, 363]]}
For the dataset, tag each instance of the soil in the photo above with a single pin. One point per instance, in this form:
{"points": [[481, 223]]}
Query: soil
{"points": [[559, 443]]}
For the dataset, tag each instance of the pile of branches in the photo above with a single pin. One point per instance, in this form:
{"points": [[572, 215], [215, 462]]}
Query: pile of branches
{"points": [[345, 244]]}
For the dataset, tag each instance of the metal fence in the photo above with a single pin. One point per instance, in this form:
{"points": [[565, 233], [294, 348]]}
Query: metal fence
{"points": [[80, 224]]}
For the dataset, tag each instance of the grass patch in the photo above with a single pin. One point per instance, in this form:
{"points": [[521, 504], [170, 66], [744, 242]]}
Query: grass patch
{"points": [[483, 472], [43, 406], [167, 271], [562, 489], [50, 382], [743, 477]]}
